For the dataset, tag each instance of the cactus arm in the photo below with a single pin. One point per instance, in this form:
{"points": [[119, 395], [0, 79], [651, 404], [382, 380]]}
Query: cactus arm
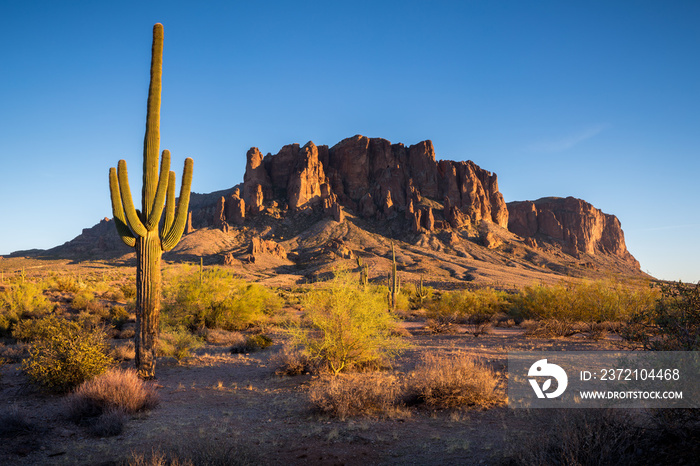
{"points": [[118, 210], [151, 142], [159, 200], [132, 217], [170, 203], [172, 236]]}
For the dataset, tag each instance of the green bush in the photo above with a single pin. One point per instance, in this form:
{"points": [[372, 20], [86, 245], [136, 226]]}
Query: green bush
{"points": [[178, 343], [219, 300], [66, 283], [673, 324], [347, 326], [128, 290], [83, 300], [463, 307], [591, 302], [21, 300], [119, 316], [64, 354]]}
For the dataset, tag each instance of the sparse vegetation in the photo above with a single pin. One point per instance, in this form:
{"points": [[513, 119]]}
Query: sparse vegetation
{"points": [[582, 437]]}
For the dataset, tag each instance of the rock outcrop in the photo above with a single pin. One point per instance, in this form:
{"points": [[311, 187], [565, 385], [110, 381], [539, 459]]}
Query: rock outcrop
{"points": [[572, 223], [376, 180]]}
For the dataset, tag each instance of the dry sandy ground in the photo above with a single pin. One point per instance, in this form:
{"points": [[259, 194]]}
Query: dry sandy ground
{"points": [[218, 400]]}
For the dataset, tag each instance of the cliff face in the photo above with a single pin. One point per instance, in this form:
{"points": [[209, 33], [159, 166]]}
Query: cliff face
{"points": [[572, 223], [374, 179]]}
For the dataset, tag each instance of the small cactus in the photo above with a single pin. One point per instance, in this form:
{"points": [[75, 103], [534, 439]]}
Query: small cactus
{"points": [[364, 271], [141, 229]]}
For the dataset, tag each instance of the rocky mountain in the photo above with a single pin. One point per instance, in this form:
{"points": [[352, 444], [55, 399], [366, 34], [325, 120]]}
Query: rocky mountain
{"points": [[307, 209], [572, 224]]}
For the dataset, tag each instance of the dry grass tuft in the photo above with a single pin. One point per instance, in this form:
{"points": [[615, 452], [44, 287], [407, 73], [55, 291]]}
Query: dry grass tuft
{"points": [[251, 344], [358, 394], [583, 437], [125, 351], [220, 337], [14, 423], [453, 380], [116, 389], [199, 452], [291, 361]]}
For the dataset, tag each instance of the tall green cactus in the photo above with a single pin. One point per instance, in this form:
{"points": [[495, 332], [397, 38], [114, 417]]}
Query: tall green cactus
{"points": [[142, 229]]}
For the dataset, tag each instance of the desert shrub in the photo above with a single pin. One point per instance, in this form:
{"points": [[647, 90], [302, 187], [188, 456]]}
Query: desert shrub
{"points": [[291, 361], [64, 354], [363, 394], [219, 301], [587, 301], [479, 324], [348, 326], [582, 437], [114, 390], [21, 300], [119, 316], [83, 300], [458, 307], [128, 290], [453, 380], [673, 324], [252, 343], [66, 283], [178, 343]]}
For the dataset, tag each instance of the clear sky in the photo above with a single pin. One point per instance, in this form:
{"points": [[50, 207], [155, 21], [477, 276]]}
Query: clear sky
{"points": [[593, 99]]}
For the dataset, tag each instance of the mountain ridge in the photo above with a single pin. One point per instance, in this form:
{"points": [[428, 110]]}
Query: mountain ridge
{"points": [[309, 208]]}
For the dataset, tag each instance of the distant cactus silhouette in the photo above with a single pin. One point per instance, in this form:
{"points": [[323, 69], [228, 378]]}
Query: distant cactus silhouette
{"points": [[364, 271], [393, 281], [140, 229], [421, 292]]}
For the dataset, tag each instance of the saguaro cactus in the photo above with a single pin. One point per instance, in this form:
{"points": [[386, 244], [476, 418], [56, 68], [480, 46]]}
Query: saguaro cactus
{"points": [[421, 292], [142, 229], [393, 281]]}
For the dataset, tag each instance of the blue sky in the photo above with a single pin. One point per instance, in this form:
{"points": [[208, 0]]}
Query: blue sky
{"points": [[597, 100]]}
